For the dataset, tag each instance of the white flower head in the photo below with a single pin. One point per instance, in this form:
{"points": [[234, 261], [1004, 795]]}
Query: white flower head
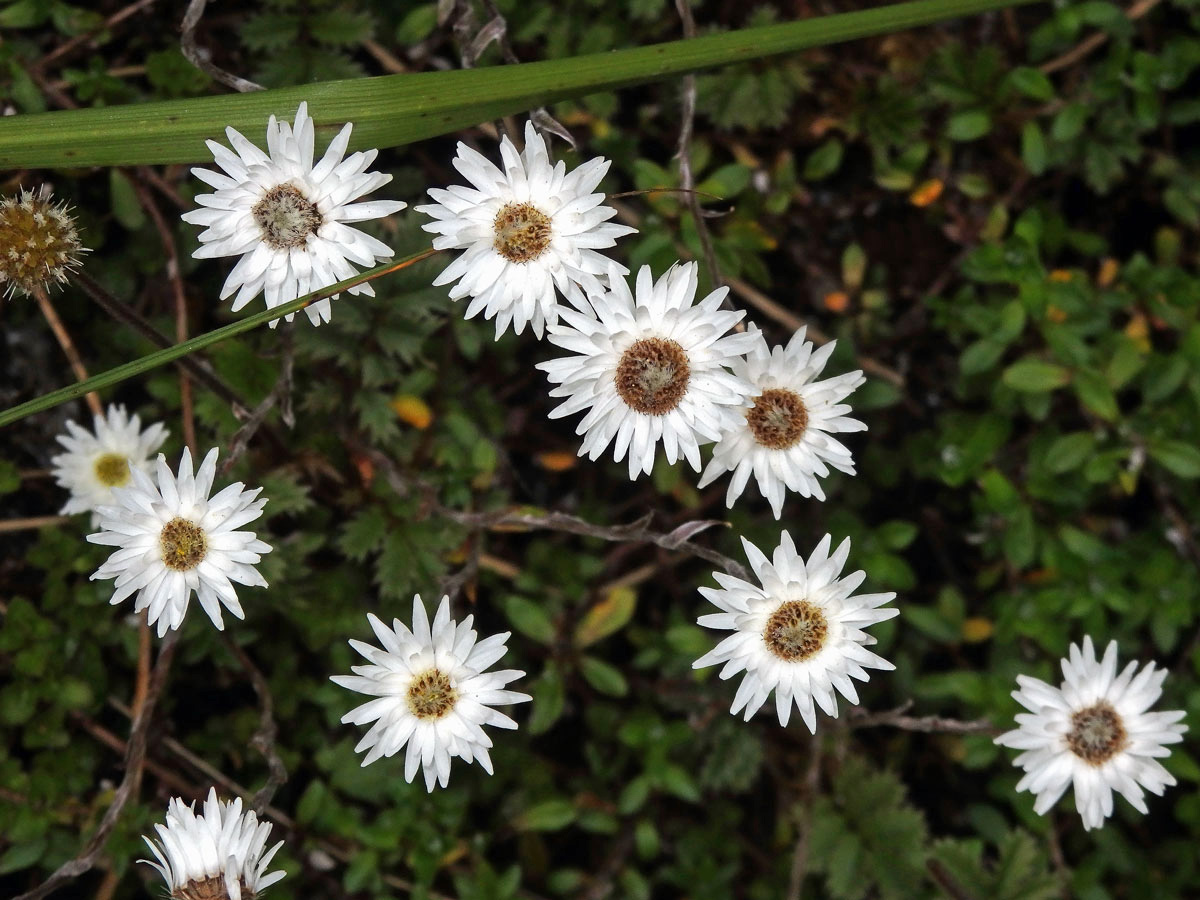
{"points": [[287, 219], [798, 633], [784, 439], [527, 230], [102, 459], [172, 539], [1095, 732], [432, 693], [217, 855], [650, 369]]}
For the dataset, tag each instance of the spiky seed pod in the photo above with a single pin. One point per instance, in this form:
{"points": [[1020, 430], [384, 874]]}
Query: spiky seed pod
{"points": [[38, 242]]}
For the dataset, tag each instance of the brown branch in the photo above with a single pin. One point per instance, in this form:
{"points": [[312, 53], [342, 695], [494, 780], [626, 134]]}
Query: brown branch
{"points": [[280, 394], [187, 410], [1095, 41], [946, 881], [68, 346], [812, 785], [70, 46], [196, 367], [687, 179], [10, 525], [896, 718], [639, 531], [200, 57], [264, 738], [141, 687], [135, 761], [784, 316]]}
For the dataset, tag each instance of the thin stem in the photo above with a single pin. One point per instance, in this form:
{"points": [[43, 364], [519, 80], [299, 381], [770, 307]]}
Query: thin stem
{"points": [[68, 346], [162, 357]]}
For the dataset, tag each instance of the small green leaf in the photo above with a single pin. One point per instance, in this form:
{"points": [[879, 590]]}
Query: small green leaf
{"points": [[1035, 376], [1031, 82], [549, 815], [603, 677], [1068, 124], [823, 161], [125, 205], [1033, 148], [10, 477], [608, 616], [529, 618], [1179, 457], [968, 125], [1094, 393], [549, 698], [1069, 452]]}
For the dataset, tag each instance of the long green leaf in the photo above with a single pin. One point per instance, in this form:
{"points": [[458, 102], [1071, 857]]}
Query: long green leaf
{"points": [[170, 354], [398, 109]]}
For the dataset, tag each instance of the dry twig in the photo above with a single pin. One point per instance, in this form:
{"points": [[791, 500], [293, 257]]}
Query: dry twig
{"points": [[264, 738], [135, 761], [897, 718], [687, 179], [812, 784], [200, 57], [68, 346], [1095, 41]]}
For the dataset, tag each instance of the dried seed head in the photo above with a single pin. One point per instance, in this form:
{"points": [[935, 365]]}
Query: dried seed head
{"points": [[38, 242]]}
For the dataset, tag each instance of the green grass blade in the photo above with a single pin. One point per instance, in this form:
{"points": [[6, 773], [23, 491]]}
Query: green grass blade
{"points": [[392, 110], [170, 354]]}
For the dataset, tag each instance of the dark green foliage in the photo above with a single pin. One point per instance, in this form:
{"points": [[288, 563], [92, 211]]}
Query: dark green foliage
{"points": [[1011, 253]]}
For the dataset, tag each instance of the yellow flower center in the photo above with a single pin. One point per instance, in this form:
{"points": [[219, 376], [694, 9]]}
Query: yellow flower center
{"points": [[112, 470]]}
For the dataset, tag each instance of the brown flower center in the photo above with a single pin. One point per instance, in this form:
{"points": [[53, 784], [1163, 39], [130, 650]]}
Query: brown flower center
{"points": [[286, 217], [522, 232], [796, 631], [778, 418], [1097, 733], [184, 545], [652, 376], [431, 695], [212, 888], [112, 470]]}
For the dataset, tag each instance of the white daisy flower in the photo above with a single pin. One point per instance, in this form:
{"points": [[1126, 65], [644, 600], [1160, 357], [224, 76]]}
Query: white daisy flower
{"points": [[526, 230], [784, 437], [98, 461], [174, 540], [432, 691], [650, 369], [217, 855], [800, 634], [288, 219], [1094, 732]]}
